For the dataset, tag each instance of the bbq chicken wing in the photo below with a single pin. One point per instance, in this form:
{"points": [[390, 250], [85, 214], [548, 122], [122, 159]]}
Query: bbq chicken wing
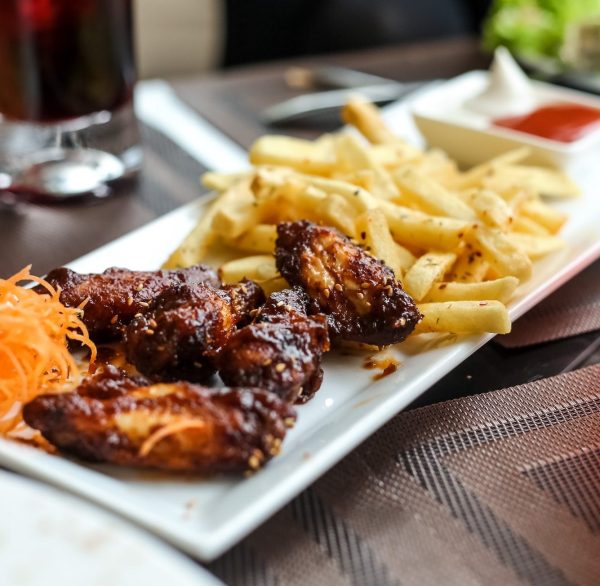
{"points": [[280, 351], [180, 337], [114, 297], [358, 293], [176, 427]]}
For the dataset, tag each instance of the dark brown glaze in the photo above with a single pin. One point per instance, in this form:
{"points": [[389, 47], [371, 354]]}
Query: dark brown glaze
{"points": [[110, 418], [358, 293], [114, 297], [280, 351], [180, 337]]}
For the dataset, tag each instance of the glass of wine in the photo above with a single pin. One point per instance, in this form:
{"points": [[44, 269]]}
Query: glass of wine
{"points": [[67, 127]]}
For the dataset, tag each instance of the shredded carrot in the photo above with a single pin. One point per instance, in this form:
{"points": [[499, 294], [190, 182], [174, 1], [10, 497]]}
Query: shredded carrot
{"points": [[168, 430], [34, 335]]}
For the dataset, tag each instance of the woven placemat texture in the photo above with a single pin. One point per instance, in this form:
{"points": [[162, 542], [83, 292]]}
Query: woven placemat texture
{"points": [[500, 488], [573, 309]]}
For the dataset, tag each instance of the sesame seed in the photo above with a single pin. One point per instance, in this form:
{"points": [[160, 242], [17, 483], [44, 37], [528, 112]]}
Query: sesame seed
{"points": [[138, 315], [338, 287], [365, 285], [267, 362], [363, 235], [326, 292], [149, 332], [139, 286], [360, 295], [280, 367], [113, 319], [389, 290], [253, 462], [130, 301], [280, 304], [153, 323], [289, 421], [144, 304]]}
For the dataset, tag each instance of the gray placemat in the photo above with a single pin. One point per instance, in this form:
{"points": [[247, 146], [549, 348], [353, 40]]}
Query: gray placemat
{"points": [[573, 309], [500, 488]]}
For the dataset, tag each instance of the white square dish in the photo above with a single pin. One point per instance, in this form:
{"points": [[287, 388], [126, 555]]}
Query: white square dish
{"points": [[445, 122], [206, 517]]}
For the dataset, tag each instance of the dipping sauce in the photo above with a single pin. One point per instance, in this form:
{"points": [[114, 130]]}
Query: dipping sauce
{"points": [[561, 122]]}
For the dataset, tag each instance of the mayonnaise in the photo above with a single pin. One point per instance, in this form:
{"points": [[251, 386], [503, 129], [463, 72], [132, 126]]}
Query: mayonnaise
{"points": [[509, 91]]}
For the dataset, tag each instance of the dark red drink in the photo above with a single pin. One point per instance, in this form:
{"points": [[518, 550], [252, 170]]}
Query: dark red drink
{"points": [[62, 59]]}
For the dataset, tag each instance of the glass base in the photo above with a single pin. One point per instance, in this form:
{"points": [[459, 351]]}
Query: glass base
{"points": [[48, 163]]}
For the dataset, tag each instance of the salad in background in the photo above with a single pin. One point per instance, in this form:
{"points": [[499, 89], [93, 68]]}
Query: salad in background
{"points": [[552, 37]]}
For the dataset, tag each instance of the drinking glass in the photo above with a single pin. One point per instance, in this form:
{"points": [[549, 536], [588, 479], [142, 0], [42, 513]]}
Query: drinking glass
{"points": [[67, 127]]}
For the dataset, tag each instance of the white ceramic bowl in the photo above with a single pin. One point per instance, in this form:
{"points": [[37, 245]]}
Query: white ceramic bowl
{"points": [[470, 138]]}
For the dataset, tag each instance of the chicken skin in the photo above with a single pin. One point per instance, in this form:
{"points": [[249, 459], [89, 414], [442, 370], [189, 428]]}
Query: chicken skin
{"points": [[180, 337], [358, 293], [114, 297], [280, 351], [176, 427]]}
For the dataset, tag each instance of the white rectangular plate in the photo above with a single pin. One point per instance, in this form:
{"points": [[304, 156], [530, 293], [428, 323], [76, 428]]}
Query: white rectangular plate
{"points": [[206, 517]]}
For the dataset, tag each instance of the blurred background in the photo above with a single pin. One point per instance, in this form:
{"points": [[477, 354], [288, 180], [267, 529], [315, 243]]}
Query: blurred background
{"points": [[189, 36]]}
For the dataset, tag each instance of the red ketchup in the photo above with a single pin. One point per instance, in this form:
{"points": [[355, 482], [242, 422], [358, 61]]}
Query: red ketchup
{"points": [[561, 122]]}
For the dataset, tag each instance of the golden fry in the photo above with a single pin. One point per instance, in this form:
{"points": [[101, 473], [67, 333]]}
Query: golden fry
{"points": [[428, 269], [500, 289], [464, 317]]}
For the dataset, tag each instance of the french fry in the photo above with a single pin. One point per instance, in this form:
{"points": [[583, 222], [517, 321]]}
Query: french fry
{"points": [[437, 165], [426, 271], [415, 229], [196, 244], [550, 183], [259, 238], [470, 267], [500, 289], [352, 154], [258, 268], [338, 212], [374, 234], [431, 196], [366, 118], [503, 256], [222, 181], [464, 317], [536, 246], [490, 208], [235, 219], [473, 177], [306, 156], [549, 217], [525, 225]]}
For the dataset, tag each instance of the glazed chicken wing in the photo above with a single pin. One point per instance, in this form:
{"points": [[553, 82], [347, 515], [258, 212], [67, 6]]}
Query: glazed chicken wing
{"points": [[280, 351], [114, 297], [180, 337], [358, 293], [176, 427]]}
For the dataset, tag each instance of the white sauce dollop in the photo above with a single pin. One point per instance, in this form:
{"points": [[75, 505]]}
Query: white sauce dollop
{"points": [[509, 91]]}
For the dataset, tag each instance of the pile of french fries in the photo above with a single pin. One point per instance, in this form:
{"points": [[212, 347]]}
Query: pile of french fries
{"points": [[460, 242]]}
